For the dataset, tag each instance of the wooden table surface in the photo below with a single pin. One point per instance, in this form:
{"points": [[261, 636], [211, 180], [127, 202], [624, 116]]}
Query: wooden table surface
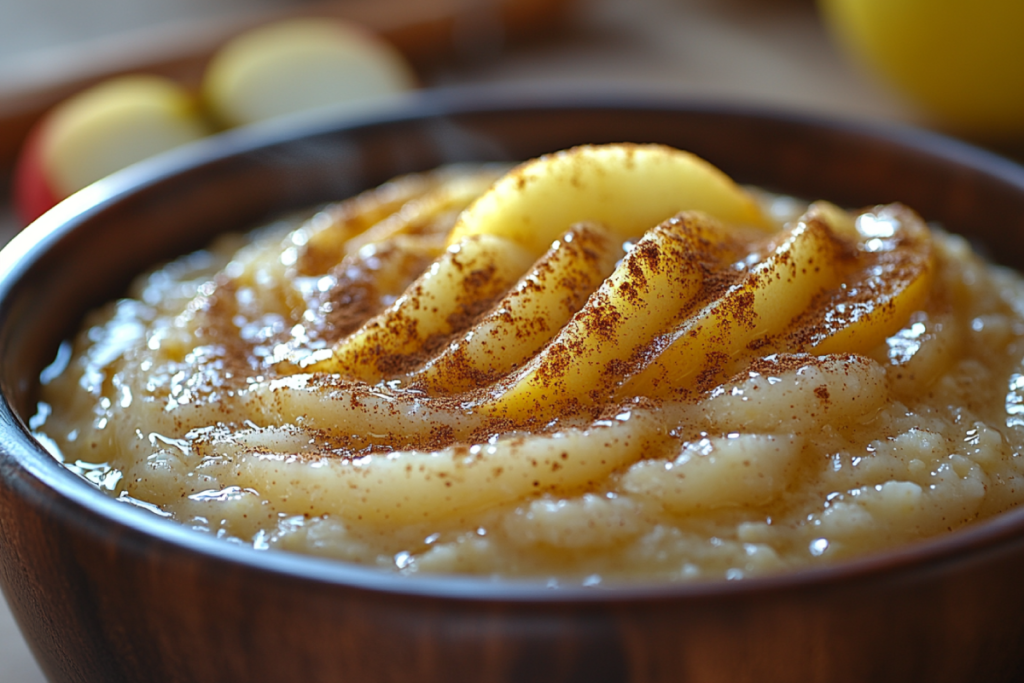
{"points": [[763, 52]]}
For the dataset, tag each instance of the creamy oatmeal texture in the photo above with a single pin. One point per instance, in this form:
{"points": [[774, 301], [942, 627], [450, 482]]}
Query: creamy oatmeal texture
{"points": [[610, 363]]}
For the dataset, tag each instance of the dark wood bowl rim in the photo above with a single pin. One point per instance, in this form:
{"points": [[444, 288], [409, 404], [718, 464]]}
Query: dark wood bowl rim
{"points": [[29, 471]]}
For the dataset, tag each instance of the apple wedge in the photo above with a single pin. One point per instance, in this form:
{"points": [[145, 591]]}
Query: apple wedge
{"points": [[299, 65], [628, 188], [99, 131]]}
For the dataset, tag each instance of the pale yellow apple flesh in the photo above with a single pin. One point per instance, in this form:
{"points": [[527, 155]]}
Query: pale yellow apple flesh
{"points": [[301, 65], [627, 188], [114, 125]]}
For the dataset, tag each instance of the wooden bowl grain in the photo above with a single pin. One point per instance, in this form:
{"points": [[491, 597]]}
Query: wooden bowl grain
{"points": [[108, 592]]}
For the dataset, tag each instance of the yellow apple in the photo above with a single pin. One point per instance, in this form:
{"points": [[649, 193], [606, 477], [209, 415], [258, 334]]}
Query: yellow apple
{"points": [[298, 65], [99, 131], [961, 60]]}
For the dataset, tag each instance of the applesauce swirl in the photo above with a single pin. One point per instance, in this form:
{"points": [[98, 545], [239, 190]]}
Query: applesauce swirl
{"points": [[609, 363]]}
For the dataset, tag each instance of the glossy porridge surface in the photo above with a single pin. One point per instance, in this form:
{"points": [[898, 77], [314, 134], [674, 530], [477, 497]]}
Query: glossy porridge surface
{"points": [[608, 364]]}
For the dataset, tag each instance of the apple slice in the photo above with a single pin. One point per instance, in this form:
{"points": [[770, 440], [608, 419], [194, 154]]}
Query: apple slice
{"points": [[659, 280], [468, 275], [628, 188], [805, 260], [99, 131], [298, 65], [541, 303]]}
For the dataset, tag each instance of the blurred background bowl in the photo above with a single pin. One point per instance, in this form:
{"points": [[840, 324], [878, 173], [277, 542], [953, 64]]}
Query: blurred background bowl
{"points": [[108, 592]]}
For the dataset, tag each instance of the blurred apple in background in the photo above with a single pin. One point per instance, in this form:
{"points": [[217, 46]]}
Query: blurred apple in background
{"points": [[271, 71], [961, 61], [300, 65], [99, 131]]}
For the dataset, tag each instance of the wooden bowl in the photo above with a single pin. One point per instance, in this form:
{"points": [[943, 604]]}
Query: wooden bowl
{"points": [[108, 592]]}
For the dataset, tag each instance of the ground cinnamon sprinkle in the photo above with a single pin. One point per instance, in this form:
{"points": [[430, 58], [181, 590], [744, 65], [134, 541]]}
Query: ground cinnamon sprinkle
{"points": [[721, 278], [649, 401]]}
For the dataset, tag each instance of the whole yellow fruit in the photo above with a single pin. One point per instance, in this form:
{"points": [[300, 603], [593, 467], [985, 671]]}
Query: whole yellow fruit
{"points": [[961, 60]]}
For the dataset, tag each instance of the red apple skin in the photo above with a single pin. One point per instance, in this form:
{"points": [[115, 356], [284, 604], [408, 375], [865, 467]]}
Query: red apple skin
{"points": [[33, 195]]}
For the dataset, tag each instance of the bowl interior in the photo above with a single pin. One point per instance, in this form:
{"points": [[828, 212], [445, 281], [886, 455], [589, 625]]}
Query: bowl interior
{"points": [[85, 252]]}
